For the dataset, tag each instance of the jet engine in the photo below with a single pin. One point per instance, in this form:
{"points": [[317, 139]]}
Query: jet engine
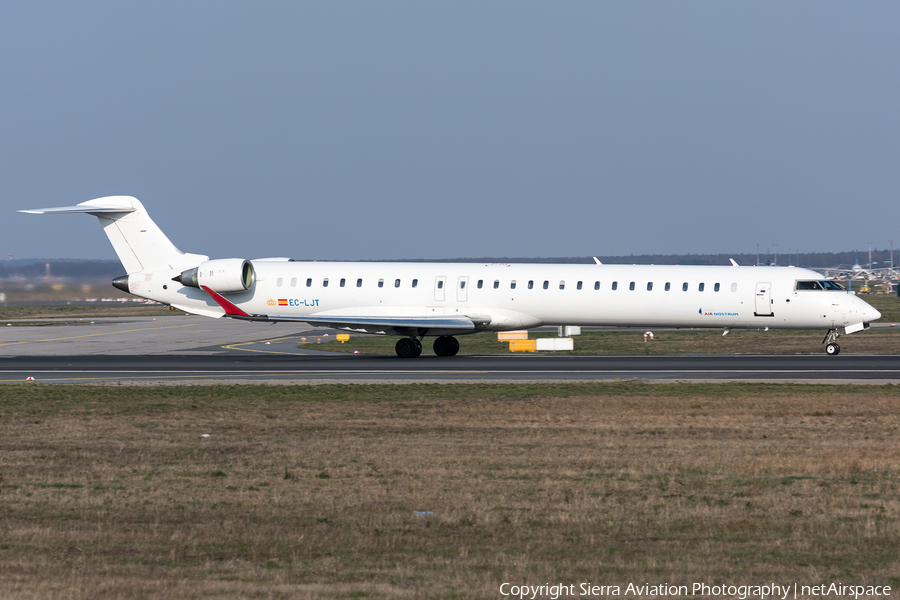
{"points": [[222, 275]]}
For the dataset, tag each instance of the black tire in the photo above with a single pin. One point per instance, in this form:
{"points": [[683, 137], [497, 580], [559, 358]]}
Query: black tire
{"points": [[408, 348], [444, 346], [832, 349]]}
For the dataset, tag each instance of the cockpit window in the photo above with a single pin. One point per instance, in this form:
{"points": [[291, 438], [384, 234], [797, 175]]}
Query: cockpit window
{"points": [[819, 286]]}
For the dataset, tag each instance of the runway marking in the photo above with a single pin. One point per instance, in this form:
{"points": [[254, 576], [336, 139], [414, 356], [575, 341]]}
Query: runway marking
{"points": [[64, 379], [235, 346], [75, 337], [446, 372]]}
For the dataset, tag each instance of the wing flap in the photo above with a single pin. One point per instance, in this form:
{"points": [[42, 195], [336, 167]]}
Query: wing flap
{"points": [[401, 325], [380, 323]]}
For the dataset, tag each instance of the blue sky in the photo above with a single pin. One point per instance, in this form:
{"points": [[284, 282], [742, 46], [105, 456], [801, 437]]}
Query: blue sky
{"points": [[348, 130]]}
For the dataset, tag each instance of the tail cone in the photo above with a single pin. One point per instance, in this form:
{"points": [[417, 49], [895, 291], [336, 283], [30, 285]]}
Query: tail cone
{"points": [[121, 283]]}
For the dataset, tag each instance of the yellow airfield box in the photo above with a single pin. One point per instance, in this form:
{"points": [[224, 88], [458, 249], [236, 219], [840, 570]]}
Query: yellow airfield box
{"points": [[505, 336], [522, 345], [343, 337]]}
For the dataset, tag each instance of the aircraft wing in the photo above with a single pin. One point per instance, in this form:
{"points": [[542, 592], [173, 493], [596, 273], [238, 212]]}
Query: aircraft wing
{"points": [[377, 324]]}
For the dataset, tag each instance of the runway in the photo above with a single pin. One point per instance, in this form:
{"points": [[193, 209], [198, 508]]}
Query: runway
{"points": [[196, 349], [349, 368]]}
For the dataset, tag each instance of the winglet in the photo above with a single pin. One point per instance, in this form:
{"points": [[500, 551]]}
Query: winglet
{"points": [[596, 260], [733, 264], [230, 309]]}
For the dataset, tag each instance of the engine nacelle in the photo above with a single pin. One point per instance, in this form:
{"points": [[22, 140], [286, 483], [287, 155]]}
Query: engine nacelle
{"points": [[222, 275]]}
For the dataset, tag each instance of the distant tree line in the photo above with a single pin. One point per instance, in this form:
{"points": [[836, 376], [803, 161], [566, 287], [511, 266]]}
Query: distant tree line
{"points": [[814, 260], [101, 269], [94, 269]]}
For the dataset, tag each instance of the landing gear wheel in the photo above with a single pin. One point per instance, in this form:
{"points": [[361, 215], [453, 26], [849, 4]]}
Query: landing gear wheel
{"points": [[832, 349], [446, 346], [408, 348]]}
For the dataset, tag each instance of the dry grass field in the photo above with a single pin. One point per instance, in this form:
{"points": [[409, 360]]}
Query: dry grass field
{"points": [[75, 311], [311, 491]]}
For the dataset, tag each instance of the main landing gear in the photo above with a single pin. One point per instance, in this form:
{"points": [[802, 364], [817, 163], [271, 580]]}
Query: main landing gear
{"points": [[832, 349], [445, 345], [408, 348]]}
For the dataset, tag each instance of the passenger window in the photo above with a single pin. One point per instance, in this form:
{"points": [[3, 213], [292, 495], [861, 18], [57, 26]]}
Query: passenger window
{"points": [[562, 285], [381, 283], [462, 285], [668, 286], [546, 285], [325, 282], [480, 283], [684, 287], [733, 287], [343, 281], [701, 286], [531, 284], [359, 283], [279, 281], [440, 285], [716, 288], [649, 286], [496, 283], [415, 282], [631, 286], [578, 285], [615, 285], [396, 283], [294, 282], [309, 282], [512, 284], [596, 285]]}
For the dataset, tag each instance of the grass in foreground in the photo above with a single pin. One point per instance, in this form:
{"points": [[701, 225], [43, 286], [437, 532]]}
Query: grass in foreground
{"points": [[70, 311], [311, 490]]}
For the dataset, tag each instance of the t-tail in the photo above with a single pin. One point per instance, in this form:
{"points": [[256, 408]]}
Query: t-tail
{"points": [[141, 245]]}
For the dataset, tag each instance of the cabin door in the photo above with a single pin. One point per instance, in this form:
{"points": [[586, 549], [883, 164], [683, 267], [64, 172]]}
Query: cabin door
{"points": [[763, 300], [439, 291], [462, 290]]}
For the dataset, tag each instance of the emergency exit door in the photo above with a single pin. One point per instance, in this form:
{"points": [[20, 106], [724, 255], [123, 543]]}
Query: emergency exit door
{"points": [[764, 300]]}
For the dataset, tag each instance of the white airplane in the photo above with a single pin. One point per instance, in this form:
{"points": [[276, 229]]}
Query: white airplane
{"points": [[444, 300]]}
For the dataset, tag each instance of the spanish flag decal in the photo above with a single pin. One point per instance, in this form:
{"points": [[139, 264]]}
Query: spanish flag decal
{"points": [[282, 302]]}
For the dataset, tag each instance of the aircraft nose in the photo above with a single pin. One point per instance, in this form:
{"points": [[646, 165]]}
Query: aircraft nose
{"points": [[870, 314]]}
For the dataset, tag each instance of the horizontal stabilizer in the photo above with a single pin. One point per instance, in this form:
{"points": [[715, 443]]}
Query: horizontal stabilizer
{"points": [[111, 204], [77, 209]]}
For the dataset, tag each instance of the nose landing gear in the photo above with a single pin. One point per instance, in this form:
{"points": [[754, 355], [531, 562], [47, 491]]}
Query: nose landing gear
{"points": [[832, 349]]}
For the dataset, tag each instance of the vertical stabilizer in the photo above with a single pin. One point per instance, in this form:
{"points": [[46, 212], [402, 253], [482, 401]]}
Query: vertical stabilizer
{"points": [[139, 243]]}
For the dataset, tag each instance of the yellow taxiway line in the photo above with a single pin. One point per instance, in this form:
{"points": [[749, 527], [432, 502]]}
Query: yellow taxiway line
{"points": [[75, 337], [281, 339]]}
